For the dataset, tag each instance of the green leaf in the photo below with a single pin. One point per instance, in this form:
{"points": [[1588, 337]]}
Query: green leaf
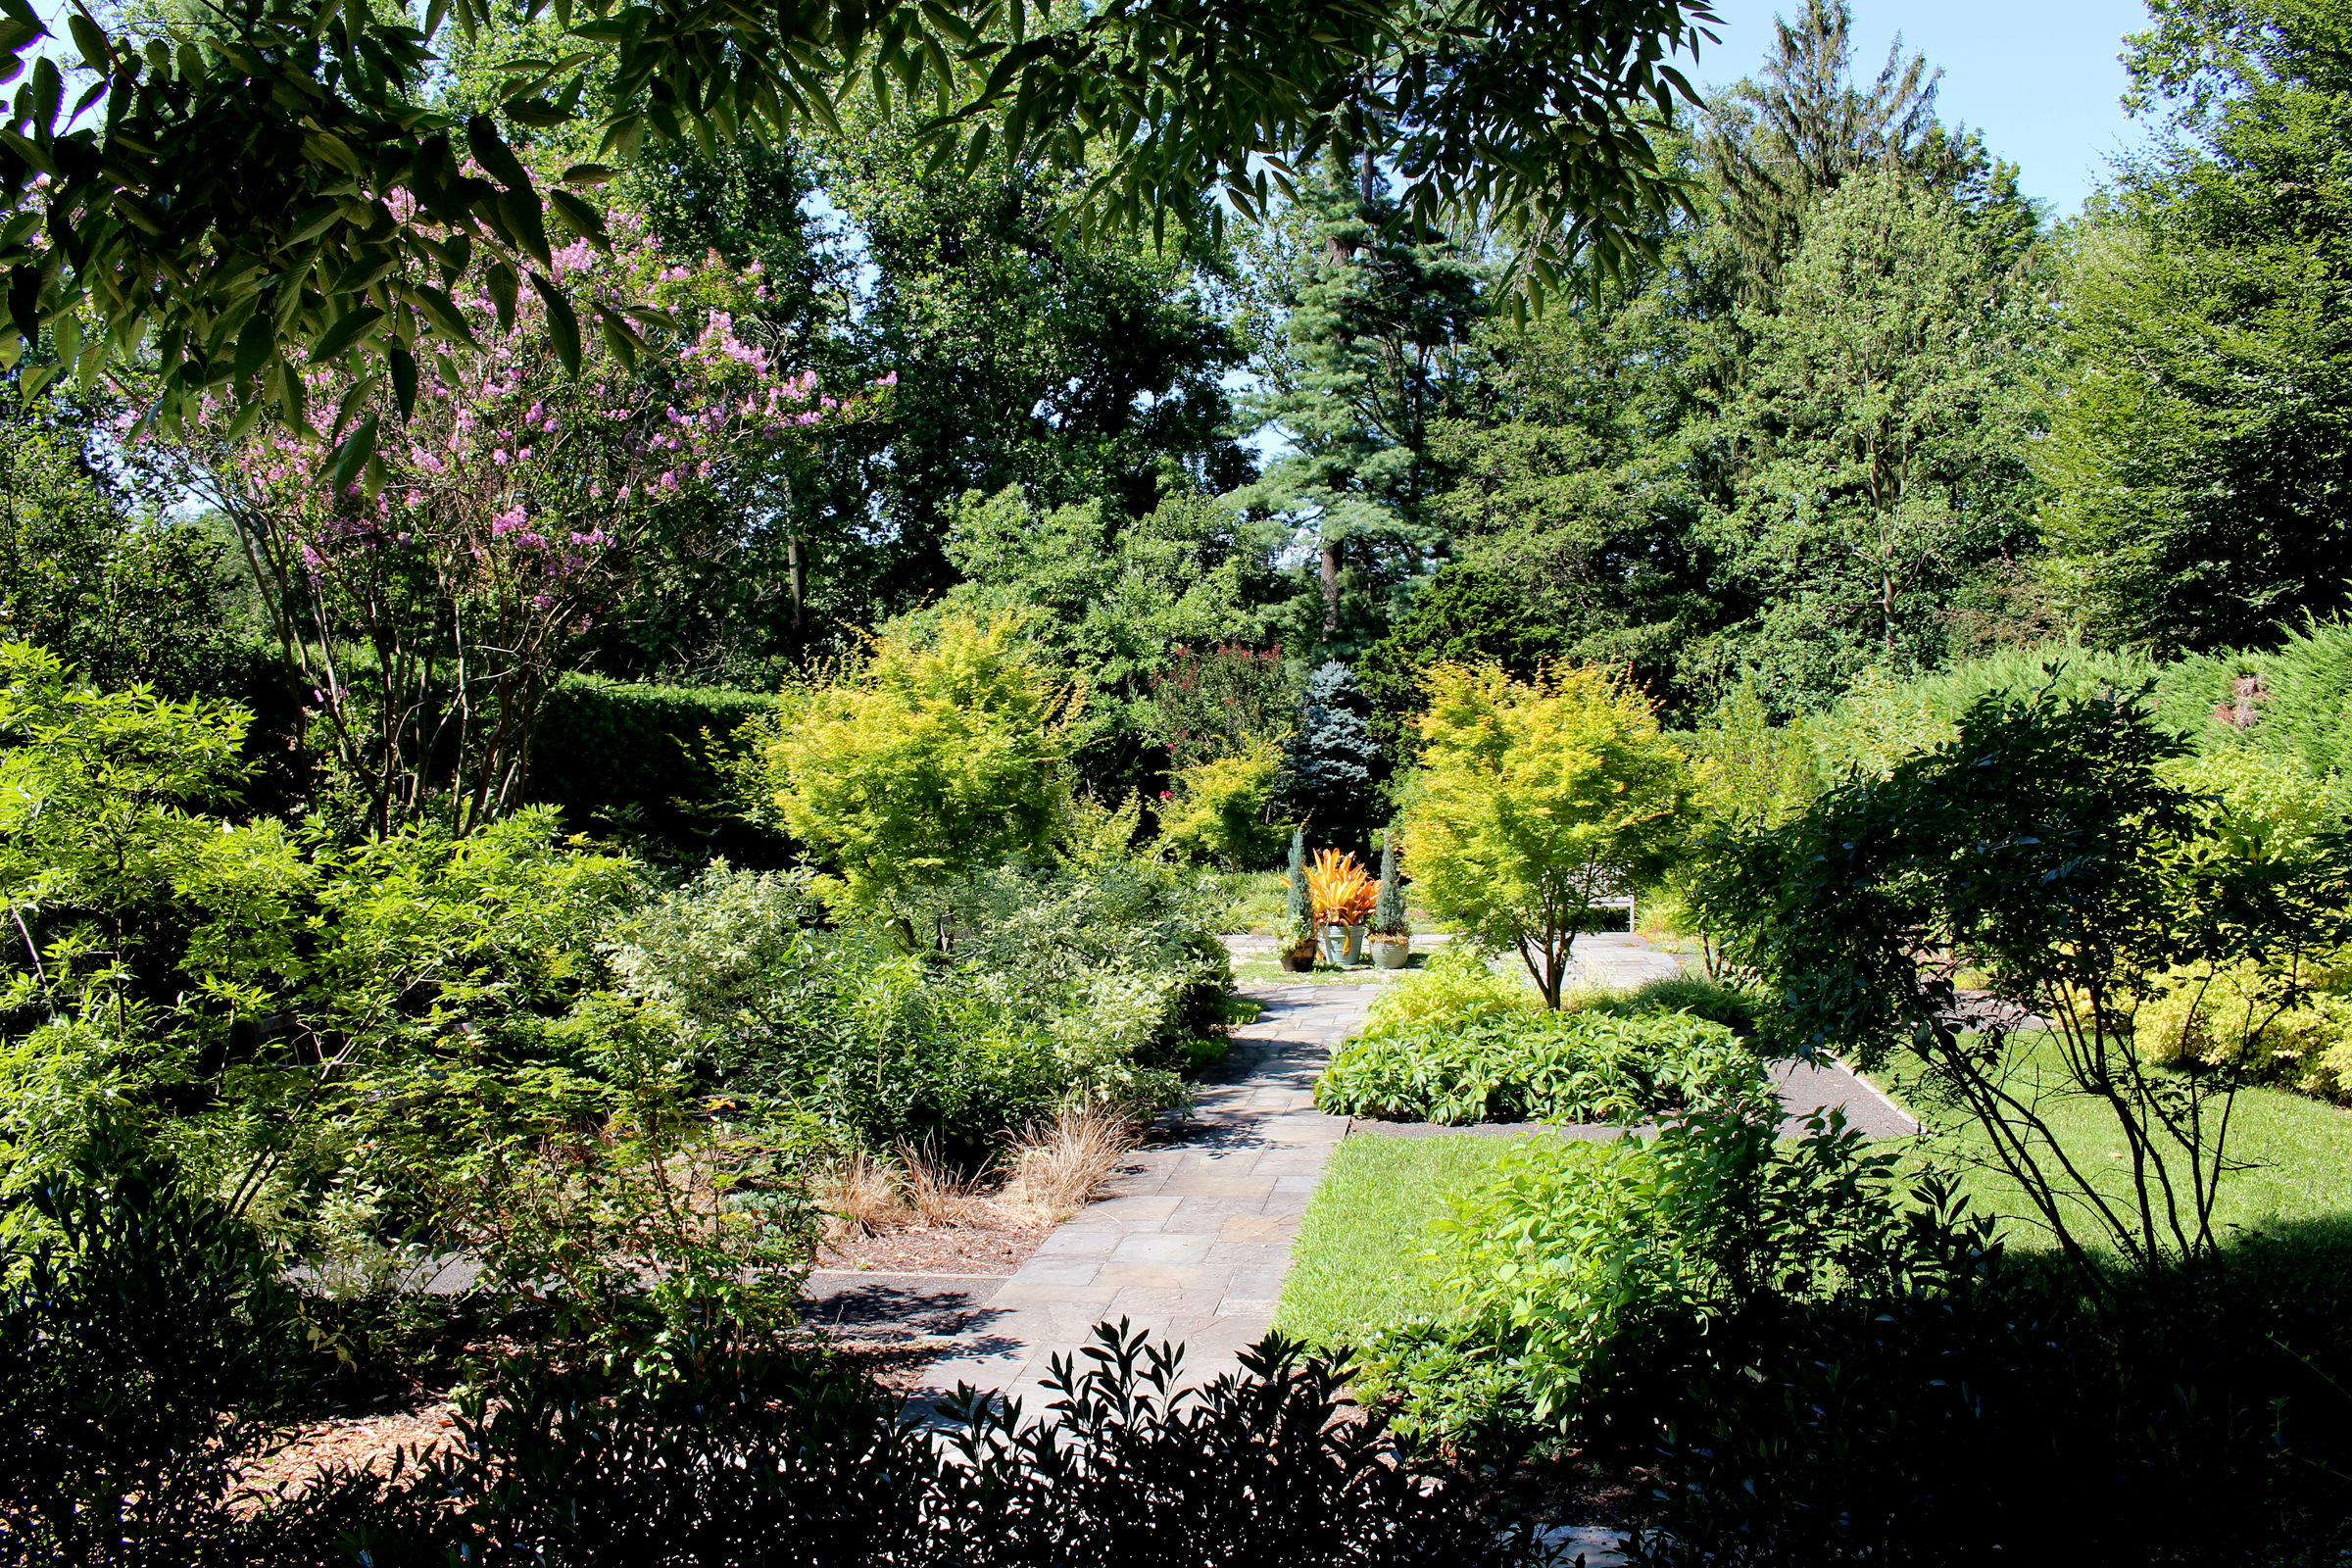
{"points": [[329, 148], [404, 379], [520, 209], [348, 410], [345, 332], [253, 346], [27, 150], [95, 51], [440, 310], [490, 150], [352, 455], [578, 217], [312, 222], [48, 93], [536, 113], [616, 341], [562, 324], [499, 278], [588, 173]]}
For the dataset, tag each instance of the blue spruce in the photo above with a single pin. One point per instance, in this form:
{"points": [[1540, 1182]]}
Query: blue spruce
{"points": [[1336, 764]]}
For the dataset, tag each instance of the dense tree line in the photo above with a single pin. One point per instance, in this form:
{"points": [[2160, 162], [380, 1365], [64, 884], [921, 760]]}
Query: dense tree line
{"points": [[1856, 404]]}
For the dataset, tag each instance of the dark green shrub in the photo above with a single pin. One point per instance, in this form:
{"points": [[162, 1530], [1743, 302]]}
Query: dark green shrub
{"points": [[654, 765], [1998, 1417], [753, 1457], [1538, 1066], [143, 1341]]}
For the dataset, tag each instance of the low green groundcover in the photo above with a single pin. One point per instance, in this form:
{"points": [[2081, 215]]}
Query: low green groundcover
{"points": [[1538, 1066]]}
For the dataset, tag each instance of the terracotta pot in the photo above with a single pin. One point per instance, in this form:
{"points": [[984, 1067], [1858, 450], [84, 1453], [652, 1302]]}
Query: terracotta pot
{"points": [[1392, 952], [1299, 960]]}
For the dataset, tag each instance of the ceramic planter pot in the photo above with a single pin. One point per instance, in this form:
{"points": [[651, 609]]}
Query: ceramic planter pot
{"points": [[1335, 943], [1392, 952], [1355, 944], [1299, 960]]}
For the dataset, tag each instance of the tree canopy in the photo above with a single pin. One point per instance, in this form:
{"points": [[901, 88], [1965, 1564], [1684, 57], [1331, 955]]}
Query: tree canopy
{"points": [[271, 184]]}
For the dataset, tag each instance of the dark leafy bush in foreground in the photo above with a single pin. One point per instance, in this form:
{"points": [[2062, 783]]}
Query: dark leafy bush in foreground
{"points": [[141, 1356], [2005, 1420], [142, 1338], [1538, 1066], [785, 1457]]}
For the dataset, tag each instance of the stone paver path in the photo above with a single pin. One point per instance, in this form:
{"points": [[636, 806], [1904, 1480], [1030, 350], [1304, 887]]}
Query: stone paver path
{"points": [[1193, 1239]]}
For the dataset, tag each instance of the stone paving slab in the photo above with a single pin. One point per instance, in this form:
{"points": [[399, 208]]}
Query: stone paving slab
{"points": [[1196, 1236]]}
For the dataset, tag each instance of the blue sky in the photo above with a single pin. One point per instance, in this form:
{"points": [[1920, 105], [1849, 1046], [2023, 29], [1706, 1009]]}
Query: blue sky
{"points": [[2039, 79]]}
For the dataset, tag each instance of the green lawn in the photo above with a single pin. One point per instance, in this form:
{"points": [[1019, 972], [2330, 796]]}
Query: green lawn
{"points": [[1355, 1265], [2299, 1151]]}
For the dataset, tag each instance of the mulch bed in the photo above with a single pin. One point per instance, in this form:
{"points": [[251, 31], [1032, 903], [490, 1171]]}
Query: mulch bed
{"points": [[971, 1248]]}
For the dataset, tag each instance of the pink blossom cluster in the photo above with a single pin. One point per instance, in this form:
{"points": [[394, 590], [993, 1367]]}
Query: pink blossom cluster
{"points": [[512, 478]]}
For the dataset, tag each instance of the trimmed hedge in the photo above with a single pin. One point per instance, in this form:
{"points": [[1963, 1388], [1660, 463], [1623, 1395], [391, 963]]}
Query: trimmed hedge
{"points": [[1539, 1067], [652, 764]]}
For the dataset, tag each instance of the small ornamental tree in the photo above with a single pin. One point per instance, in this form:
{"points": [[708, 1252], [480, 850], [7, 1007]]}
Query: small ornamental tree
{"points": [[1535, 800], [936, 759], [2048, 848], [427, 597]]}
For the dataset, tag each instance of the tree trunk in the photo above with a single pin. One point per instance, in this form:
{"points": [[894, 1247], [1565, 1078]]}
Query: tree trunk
{"points": [[1332, 551], [796, 575]]}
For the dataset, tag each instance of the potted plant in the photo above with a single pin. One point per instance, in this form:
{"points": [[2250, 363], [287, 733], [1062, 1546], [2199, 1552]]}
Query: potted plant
{"points": [[1391, 937], [1342, 892], [1296, 942]]}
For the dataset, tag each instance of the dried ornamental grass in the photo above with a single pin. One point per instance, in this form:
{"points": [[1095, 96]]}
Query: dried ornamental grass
{"points": [[1058, 1166], [938, 1192], [867, 1196]]}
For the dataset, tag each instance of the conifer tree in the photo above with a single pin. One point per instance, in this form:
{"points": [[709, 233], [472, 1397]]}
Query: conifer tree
{"points": [[1375, 346], [1335, 766]]}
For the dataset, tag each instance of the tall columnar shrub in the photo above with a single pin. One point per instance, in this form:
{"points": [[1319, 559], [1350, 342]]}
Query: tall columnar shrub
{"points": [[1387, 910], [1298, 910]]}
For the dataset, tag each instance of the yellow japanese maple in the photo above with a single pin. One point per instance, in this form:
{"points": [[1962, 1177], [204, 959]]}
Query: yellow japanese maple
{"points": [[1535, 800]]}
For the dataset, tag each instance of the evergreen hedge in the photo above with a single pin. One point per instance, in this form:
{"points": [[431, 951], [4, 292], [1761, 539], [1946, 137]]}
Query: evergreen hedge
{"points": [[655, 765]]}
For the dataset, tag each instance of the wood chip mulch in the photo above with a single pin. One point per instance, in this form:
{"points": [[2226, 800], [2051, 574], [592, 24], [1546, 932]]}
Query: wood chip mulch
{"points": [[352, 1442], [968, 1249]]}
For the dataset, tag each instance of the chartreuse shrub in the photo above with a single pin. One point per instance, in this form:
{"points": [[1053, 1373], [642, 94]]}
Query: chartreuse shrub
{"points": [[1459, 1043], [1216, 808], [942, 756], [1458, 988], [1534, 801]]}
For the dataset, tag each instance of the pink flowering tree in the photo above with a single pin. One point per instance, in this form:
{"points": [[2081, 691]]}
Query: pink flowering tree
{"points": [[429, 596]]}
